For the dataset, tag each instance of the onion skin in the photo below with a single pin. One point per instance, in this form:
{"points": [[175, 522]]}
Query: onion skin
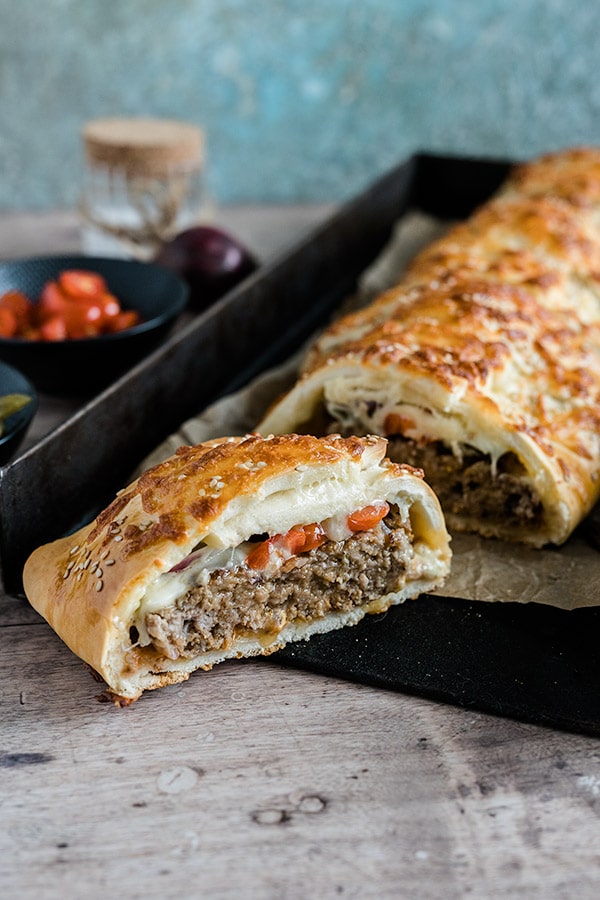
{"points": [[210, 260]]}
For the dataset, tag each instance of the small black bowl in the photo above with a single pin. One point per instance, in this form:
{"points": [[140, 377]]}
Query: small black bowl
{"points": [[86, 365], [15, 426]]}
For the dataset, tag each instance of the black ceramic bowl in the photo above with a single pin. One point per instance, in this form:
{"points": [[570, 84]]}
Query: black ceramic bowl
{"points": [[86, 365], [15, 426]]}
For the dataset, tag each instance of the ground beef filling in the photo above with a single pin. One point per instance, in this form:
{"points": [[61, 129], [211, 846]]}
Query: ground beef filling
{"points": [[468, 490], [337, 576]]}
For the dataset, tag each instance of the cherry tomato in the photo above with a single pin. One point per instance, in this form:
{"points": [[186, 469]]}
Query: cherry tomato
{"points": [[126, 319], [109, 305], [366, 518], [53, 329], [20, 305], [81, 319], [81, 284], [8, 323], [51, 303]]}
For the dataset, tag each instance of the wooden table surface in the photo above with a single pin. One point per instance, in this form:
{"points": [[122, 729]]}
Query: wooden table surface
{"points": [[256, 781]]}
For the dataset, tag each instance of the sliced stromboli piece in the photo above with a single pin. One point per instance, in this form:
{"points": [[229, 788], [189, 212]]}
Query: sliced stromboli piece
{"points": [[482, 366], [233, 548]]}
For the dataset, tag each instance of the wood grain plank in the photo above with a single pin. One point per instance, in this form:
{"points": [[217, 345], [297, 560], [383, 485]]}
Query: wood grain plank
{"points": [[267, 781]]}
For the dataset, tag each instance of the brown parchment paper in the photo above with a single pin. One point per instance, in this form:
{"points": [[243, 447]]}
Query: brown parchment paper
{"points": [[485, 570]]}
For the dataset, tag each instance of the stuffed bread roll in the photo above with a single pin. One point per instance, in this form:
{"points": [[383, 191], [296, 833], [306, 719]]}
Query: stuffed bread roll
{"points": [[482, 366], [234, 547]]}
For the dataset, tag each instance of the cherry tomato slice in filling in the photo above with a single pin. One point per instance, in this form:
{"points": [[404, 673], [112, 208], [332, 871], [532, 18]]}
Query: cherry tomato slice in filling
{"points": [[366, 518]]}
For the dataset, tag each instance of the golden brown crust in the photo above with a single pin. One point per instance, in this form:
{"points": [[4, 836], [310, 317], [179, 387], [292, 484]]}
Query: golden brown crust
{"points": [[502, 317], [572, 174]]}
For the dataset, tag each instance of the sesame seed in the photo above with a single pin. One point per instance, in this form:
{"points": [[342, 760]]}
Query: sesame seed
{"points": [[99, 585], [74, 549], [109, 562], [98, 572], [66, 574], [118, 537], [94, 566], [86, 563], [105, 554], [79, 576]]}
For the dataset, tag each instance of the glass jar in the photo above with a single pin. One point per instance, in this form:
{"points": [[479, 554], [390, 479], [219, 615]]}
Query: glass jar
{"points": [[143, 183]]}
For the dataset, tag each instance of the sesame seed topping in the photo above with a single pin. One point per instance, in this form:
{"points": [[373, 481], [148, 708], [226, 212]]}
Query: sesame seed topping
{"points": [[118, 537], [94, 566], [104, 555], [109, 562], [86, 563], [66, 574], [74, 549], [79, 576], [99, 585], [98, 572]]}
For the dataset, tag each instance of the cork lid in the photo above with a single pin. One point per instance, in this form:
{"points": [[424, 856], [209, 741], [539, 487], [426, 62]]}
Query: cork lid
{"points": [[144, 146]]}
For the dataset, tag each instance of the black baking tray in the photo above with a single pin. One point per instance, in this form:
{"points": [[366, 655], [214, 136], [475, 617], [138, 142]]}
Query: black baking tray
{"points": [[526, 661], [67, 477], [523, 661]]}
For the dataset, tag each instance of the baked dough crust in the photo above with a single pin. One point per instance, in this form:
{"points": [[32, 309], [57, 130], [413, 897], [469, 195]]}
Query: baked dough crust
{"points": [[90, 585], [490, 341]]}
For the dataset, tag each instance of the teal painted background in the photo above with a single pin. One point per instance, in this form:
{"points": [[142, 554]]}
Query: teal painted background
{"points": [[302, 100]]}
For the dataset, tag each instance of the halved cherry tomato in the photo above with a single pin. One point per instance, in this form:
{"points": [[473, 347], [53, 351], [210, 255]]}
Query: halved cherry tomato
{"points": [[125, 319], [81, 284], [366, 518], [53, 329], [8, 323], [109, 305], [51, 302], [81, 319], [20, 305]]}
